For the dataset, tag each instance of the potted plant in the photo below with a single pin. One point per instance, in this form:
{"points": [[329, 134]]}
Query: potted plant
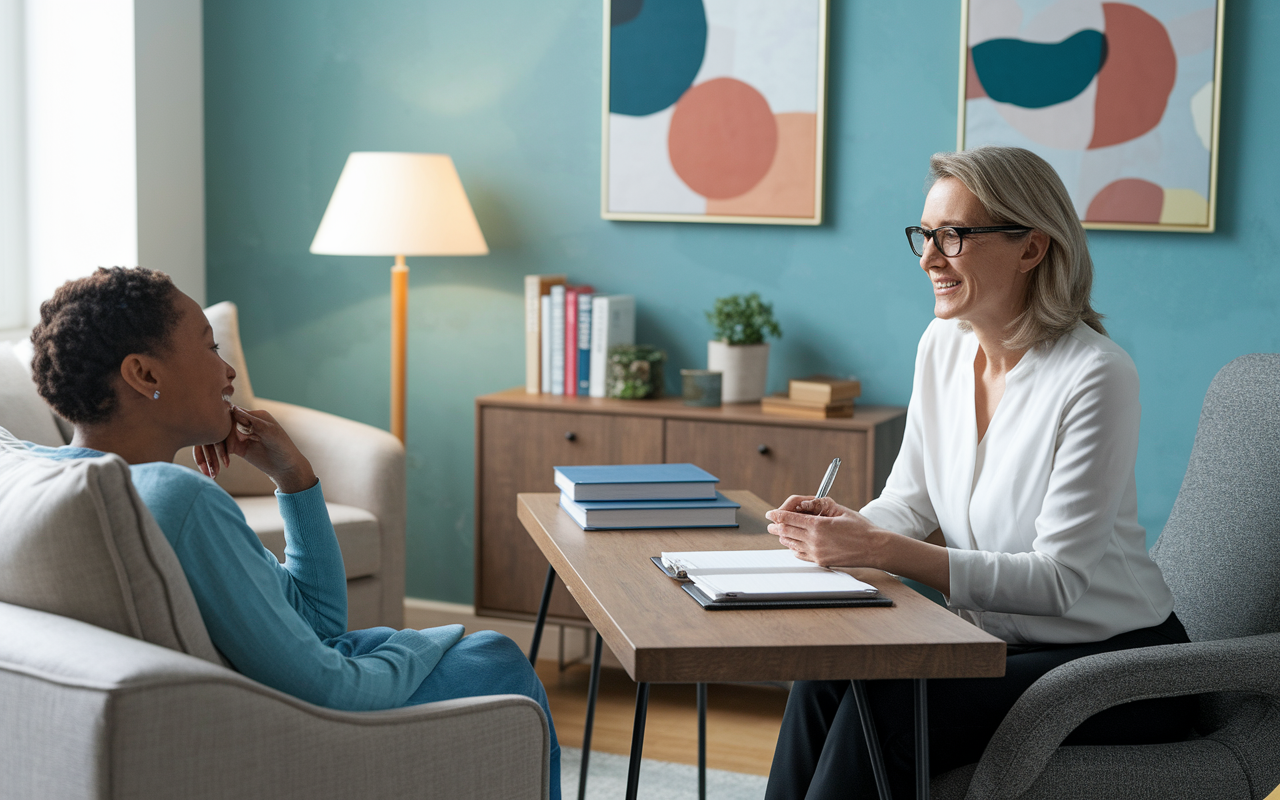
{"points": [[738, 349], [634, 372]]}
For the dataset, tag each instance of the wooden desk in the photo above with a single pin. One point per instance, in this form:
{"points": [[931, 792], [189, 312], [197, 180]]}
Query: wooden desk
{"points": [[521, 437], [662, 636]]}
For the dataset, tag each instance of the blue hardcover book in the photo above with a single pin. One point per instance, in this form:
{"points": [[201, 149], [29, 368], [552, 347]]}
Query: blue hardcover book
{"points": [[634, 514], [637, 482], [584, 345]]}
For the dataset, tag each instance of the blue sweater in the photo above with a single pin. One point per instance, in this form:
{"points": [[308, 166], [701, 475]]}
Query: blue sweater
{"points": [[284, 625]]}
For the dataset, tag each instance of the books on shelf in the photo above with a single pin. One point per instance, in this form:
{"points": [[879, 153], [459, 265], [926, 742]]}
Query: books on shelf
{"points": [[789, 407], [535, 288], [557, 339], [613, 322], [815, 397], [568, 333], [584, 344], [545, 366], [720, 512], [636, 482], [727, 576], [824, 389], [573, 297]]}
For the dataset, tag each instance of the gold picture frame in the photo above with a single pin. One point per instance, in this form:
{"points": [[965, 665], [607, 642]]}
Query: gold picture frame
{"points": [[1176, 199], [611, 208]]}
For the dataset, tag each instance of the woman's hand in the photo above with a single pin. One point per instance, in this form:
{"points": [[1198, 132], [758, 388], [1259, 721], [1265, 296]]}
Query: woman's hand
{"points": [[830, 535], [257, 438], [824, 532]]}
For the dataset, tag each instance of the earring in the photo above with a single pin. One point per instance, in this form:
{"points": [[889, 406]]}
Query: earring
{"points": [[156, 396]]}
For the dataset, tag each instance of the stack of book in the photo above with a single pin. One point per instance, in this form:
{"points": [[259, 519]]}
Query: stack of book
{"points": [[815, 397], [629, 496], [568, 332]]}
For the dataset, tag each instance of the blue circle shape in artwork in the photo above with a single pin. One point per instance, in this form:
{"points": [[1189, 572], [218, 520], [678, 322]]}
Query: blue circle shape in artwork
{"points": [[654, 56], [621, 11], [1036, 75]]}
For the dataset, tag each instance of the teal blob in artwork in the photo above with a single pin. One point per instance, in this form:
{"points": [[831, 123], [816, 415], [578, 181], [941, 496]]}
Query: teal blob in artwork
{"points": [[1036, 75], [655, 54], [622, 11]]}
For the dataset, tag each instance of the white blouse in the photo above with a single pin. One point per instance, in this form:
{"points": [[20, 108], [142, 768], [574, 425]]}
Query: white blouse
{"points": [[1041, 516]]}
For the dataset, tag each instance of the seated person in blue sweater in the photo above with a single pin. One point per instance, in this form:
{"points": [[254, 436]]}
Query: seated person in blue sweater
{"points": [[132, 363]]}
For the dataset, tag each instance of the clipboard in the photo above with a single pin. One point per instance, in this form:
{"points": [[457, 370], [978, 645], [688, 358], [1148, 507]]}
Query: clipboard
{"points": [[697, 594], [693, 591]]}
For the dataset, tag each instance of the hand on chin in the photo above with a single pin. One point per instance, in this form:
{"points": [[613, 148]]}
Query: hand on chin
{"points": [[256, 437]]}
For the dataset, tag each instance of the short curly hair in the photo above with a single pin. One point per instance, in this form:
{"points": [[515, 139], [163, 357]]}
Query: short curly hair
{"points": [[88, 327]]}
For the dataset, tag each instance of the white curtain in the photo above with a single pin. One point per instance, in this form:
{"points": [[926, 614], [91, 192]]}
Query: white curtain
{"points": [[101, 145], [13, 258]]}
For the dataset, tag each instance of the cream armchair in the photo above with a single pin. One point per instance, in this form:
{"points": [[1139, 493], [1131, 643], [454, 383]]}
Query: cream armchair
{"points": [[111, 688], [362, 469]]}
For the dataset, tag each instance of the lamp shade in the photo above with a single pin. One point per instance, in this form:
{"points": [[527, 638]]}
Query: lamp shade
{"points": [[388, 204]]}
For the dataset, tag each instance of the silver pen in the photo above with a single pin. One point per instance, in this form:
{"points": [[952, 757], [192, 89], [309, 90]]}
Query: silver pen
{"points": [[828, 479]]}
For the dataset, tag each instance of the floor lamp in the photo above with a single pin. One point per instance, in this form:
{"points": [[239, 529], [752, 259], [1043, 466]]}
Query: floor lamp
{"points": [[399, 204]]}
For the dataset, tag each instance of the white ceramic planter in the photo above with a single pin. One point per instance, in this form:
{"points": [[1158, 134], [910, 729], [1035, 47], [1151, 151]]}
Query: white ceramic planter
{"points": [[745, 368]]}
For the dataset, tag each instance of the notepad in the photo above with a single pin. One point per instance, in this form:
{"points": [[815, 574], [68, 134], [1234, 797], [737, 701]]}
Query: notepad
{"points": [[753, 575], [826, 585], [721, 562]]}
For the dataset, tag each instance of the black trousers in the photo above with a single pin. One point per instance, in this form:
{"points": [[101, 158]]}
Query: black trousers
{"points": [[822, 753]]}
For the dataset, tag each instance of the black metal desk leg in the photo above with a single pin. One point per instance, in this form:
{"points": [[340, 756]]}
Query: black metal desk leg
{"points": [[637, 740], [702, 741], [592, 690], [873, 741], [542, 615], [922, 739]]}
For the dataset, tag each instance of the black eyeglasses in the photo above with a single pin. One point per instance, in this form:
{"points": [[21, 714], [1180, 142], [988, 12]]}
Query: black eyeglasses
{"points": [[950, 239]]}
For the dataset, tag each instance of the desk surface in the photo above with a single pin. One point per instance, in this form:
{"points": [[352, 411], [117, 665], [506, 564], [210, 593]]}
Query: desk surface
{"points": [[662, 636]]}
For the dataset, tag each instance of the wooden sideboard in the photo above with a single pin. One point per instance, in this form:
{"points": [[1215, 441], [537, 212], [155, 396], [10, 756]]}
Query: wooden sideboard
{"points": [[520, 438]]}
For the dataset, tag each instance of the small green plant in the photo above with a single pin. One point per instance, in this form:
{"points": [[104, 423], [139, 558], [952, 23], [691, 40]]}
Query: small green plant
{"points": [[743, 319], [634, 372]]}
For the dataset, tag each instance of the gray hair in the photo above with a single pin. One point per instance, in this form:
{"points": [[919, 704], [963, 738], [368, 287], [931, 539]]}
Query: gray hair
{"points": [[1018, 187]]}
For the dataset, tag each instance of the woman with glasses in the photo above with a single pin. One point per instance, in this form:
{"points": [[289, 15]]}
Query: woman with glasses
{"points": [[1022, 432]]}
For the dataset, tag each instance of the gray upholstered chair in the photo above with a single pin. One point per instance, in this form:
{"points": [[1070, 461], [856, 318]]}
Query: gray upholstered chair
{"points": [[1220, 553]]}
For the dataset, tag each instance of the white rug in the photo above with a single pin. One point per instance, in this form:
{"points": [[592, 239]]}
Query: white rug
{"points": [[659, 780]]}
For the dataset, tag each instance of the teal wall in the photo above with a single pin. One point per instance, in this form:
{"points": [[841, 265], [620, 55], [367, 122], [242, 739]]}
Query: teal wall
{"points": [[511, 89]]}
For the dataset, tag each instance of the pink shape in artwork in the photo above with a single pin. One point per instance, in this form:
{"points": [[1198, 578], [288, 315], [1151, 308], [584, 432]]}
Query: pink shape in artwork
{"points": [[1127, 200], [972, 83], [1135, 82], [722, 138], [788, 189]]}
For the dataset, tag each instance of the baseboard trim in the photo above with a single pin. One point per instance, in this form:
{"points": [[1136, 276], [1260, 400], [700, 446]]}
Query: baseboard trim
{"points": [[422, 613]]}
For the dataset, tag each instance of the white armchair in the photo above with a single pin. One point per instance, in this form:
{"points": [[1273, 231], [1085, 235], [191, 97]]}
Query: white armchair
{"points": [[111, 688], [93, 714], [361, 468]]}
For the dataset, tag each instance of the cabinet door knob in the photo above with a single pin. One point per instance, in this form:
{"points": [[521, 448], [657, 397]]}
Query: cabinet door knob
{"points": [[762, 449], [570, 436]]}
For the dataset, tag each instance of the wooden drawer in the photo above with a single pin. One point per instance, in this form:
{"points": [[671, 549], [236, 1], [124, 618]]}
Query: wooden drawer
{"points": [[773, 461], [517, 450]]}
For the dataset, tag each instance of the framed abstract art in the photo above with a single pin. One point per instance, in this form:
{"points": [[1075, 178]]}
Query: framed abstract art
{"points": [[1120, 97], [713, 110]]}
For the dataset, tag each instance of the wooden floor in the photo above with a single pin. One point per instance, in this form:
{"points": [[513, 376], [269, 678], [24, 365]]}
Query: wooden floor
{"points": [[742, 720]]}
